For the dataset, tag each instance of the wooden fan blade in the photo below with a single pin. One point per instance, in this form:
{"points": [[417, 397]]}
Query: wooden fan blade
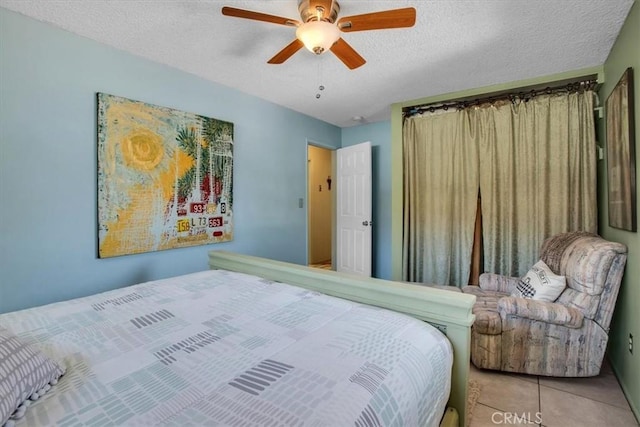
{"points": [[347, 54], [257, 16], [287, 52], [396, 18]]}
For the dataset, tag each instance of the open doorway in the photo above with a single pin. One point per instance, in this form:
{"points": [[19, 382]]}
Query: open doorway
{"points": [[320, 208]]}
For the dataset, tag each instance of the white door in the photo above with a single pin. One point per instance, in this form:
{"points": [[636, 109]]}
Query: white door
{"points": [[353, 217]]}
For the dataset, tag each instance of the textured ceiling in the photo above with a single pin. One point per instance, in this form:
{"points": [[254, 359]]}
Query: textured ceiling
{"points": [[455, 45]]}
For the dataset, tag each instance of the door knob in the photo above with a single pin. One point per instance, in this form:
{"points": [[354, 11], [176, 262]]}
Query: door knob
{"points": [[365, 223]]}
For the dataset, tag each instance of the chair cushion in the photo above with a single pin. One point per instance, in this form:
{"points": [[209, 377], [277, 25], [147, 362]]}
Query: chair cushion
{"points": [[588, 264], [488, 320], [540, 283], [584, 258], [541, 311], [587, 304], [554, 247]]}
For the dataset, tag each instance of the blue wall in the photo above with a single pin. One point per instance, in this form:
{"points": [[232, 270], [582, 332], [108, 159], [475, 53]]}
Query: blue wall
{"points": [[48, 84], [379, 134]]}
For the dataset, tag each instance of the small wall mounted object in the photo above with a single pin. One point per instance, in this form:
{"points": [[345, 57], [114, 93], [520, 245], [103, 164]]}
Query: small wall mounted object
{"points": [[164, 178], [621, 162]]}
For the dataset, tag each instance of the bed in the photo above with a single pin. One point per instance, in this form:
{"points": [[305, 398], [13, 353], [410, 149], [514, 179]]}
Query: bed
{"points": [[240, 345]]}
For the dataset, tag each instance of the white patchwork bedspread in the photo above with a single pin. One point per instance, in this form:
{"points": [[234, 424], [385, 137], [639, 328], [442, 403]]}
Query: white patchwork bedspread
{"points": [[224, 348]]}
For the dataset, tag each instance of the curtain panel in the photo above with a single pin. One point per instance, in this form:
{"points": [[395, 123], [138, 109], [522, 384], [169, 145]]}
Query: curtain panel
{"points": [[440, 197], [534, 164]]}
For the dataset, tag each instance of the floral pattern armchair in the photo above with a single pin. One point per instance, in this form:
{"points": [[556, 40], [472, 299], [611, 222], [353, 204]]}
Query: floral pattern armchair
{"points": [[564, 338]]}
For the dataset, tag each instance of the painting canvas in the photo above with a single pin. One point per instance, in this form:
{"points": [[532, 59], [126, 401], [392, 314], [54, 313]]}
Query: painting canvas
{"points": [[165, 178]]}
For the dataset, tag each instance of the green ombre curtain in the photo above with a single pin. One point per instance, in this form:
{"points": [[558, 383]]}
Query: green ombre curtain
{"points": [[537, 176], [534, 163], [440, 197]]}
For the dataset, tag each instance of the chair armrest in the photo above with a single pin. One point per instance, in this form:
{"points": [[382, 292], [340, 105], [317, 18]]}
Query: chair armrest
{"points": [[543, 311], [497, 283]]}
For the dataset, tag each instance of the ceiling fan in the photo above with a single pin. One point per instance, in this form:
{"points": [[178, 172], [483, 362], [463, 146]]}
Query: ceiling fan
{"points": [[319, 28]]}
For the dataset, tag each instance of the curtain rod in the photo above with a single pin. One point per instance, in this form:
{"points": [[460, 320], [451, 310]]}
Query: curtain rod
{"points": [[513, 95]]}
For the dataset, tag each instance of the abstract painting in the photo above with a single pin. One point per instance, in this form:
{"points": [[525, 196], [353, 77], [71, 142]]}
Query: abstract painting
{"points": [[165, 178]]}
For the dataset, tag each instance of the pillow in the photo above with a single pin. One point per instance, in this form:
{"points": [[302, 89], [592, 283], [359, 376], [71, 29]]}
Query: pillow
{"points": [[25, 373], [540, 283]]}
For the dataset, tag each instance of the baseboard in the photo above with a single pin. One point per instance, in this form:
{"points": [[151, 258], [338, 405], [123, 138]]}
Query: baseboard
{"points": [[636, 412]]}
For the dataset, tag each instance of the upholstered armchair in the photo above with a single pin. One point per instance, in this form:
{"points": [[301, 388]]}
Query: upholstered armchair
{"points": [[564, 338]]}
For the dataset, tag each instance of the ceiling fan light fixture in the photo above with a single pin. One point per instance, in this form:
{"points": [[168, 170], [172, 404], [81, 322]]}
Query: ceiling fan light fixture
{"points": [[318, 36], [320, 28]]}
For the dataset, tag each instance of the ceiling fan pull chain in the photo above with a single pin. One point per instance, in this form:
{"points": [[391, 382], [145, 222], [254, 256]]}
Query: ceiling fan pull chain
{"points": [[320, 85]]}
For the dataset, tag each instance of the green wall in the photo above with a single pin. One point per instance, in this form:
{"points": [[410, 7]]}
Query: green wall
{"points": [[625, 53]]}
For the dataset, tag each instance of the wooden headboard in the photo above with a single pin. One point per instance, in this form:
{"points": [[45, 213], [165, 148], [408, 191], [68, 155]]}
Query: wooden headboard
{"points": [[448, 311]]}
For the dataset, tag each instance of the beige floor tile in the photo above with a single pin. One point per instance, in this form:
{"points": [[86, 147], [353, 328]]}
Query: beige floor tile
{"points": [[529, 378], [523, 377], [507, 393], [561, 409], [485, 416], [603, 388]]}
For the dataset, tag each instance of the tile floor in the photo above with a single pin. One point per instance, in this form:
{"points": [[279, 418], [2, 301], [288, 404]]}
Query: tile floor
{"points": [[512, 399]]}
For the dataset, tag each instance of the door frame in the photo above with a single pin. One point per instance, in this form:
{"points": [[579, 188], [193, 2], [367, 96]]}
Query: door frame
{"points": [[333, 199]]}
